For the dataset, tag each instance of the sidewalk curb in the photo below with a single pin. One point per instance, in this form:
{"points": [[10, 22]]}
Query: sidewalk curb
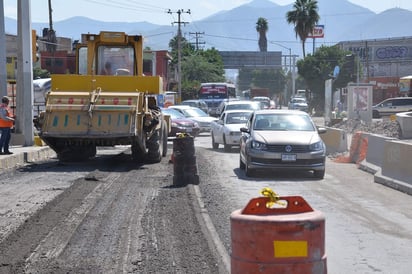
{"points": [[24, 155]]}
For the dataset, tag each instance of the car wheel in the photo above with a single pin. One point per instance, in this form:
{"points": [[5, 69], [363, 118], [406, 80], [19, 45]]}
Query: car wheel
{"points": [[214, 144], [241, 164], [375, 114], [319, 174], [227, 147], [248, 171]]}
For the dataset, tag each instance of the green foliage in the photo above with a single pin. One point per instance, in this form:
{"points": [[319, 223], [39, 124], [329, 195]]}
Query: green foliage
{"points": [[40, 73], [262, 27], [317, 68], [304, 17], [197, 67]]}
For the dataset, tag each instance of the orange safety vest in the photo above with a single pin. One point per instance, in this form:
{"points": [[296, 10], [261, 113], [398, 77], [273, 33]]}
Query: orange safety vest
{"points": [[6, 123]]}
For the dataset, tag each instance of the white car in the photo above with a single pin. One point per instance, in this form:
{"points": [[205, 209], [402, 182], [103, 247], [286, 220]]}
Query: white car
{"points": [[226, 130], [197, 115]]}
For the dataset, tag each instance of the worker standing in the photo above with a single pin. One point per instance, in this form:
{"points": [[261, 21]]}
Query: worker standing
{"points": [[6, 124]]}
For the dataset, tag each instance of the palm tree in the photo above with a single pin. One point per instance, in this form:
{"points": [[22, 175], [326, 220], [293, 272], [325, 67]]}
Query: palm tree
{"points": [[262, 28], [305, 17]]}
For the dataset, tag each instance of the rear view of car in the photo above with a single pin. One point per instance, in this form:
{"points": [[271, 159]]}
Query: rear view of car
{"points": [[181, 124], [298, 103], [281, 140]]}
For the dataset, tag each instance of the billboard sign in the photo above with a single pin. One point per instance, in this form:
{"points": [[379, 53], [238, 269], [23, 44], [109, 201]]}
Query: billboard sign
{"points": [[318, 32]]}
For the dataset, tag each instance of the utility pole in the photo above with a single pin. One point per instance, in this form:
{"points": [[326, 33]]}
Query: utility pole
{"points": [[51, 34], [179, 49], [197, 35]]}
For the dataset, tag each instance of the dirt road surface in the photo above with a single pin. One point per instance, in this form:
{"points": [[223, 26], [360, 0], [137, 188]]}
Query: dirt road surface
{"points": [[103, 216]]}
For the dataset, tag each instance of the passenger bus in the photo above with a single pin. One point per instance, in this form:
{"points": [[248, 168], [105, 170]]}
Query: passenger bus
{"points": [[214, 93]]}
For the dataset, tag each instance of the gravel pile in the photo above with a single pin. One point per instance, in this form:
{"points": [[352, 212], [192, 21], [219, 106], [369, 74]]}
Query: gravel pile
{"points": [[384, 127]]}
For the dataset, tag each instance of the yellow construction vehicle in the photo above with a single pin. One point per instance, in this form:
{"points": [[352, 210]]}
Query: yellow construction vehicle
{"points": [[107, 102]]}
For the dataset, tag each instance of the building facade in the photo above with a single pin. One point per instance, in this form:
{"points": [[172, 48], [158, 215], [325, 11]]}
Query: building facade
{"points": [[382, 62]]}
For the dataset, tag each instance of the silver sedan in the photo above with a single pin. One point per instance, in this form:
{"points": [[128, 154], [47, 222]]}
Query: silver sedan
{"points": [[282, 140]]}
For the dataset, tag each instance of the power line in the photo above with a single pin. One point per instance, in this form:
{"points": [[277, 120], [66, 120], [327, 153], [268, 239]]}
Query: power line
{"points": [[197, 35]]}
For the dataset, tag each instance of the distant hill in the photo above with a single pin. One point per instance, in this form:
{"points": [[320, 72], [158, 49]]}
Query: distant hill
{"points": [[235, 29]]}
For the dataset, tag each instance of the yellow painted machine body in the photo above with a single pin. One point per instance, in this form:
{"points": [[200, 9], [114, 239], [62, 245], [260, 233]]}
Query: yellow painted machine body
{"points": [[108, 108]]}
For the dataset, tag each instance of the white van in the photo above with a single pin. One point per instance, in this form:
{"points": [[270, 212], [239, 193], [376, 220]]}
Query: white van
{"points": [[392, 106]]}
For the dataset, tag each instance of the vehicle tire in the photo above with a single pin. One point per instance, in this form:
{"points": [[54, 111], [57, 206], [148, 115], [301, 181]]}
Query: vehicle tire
{"points": [[138, 155], [227, 147], [241, 164], [164, 142], [375, 114], [214, 144], [319, 174], [248, 171], [154, 148]]}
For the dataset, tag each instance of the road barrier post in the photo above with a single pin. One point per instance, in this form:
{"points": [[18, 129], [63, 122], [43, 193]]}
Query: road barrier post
{"points": [[278, 239]]}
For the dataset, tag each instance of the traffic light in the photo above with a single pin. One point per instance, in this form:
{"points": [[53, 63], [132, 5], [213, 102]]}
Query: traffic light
{"points": [[35, 46]]}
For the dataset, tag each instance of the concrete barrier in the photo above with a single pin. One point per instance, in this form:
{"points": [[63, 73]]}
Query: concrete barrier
{"points": [[397, 164], [374, 160], [405, 122], [335, 140]]}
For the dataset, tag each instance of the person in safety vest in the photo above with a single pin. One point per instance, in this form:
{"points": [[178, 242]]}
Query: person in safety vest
{"points": [[6, 124]]}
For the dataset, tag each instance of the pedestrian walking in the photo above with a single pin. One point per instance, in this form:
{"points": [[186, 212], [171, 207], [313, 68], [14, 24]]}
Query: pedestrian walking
{"points": [[6, 124]]}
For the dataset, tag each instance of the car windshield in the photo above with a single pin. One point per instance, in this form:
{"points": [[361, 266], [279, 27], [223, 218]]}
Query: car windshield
{"points": [[237, 118], [281, 122], [194, 112], [174, 114]]}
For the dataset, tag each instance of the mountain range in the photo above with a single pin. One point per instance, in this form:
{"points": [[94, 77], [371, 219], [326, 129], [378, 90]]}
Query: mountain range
{"points": [[235, 29]]}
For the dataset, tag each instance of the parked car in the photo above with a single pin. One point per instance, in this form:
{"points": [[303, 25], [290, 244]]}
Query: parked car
{"points": [[392, 106], [226, 130], [181, 124], [238, 104], [197, 115], [196, 103], [282, 140], [298, 103]]}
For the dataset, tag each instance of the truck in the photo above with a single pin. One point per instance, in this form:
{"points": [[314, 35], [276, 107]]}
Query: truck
{"points": [[107, 102]]}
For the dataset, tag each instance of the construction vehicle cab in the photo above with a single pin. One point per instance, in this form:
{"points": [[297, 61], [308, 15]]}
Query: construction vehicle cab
{"points": [[107, 102]]}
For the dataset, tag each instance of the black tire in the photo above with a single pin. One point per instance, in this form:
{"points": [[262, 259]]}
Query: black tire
{"points": [[214, 144], [154, 148], [241, 164], [248, 171], [319, 174], [164, 138], [375, 114], [227, 147], [138, 155]]}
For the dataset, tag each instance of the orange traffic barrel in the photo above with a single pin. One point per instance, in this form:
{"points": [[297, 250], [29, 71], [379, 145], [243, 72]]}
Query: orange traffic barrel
{"points": [[280, 239]]}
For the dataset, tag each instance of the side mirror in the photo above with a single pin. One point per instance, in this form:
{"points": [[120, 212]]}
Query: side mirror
{"points": [[322, 130], [244, 129]]}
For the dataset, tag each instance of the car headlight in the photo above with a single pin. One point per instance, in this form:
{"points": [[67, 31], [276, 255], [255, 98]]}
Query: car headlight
{"points": [[258, 145], [195, 124], [174, 124], [316, 146]]}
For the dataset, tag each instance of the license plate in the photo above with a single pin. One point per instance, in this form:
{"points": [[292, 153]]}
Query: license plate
{"points": [[289, 157]]}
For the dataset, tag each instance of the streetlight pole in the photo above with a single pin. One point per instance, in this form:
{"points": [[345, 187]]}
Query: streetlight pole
{"points": [[291, 69]]}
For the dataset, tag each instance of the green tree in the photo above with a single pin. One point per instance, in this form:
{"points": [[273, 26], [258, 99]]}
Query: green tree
{"points": [[304, 17], [197, 67], [317, 68], [262, 28]]}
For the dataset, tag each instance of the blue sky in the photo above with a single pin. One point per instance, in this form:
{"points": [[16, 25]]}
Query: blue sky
{"points": [[155, 11]]}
